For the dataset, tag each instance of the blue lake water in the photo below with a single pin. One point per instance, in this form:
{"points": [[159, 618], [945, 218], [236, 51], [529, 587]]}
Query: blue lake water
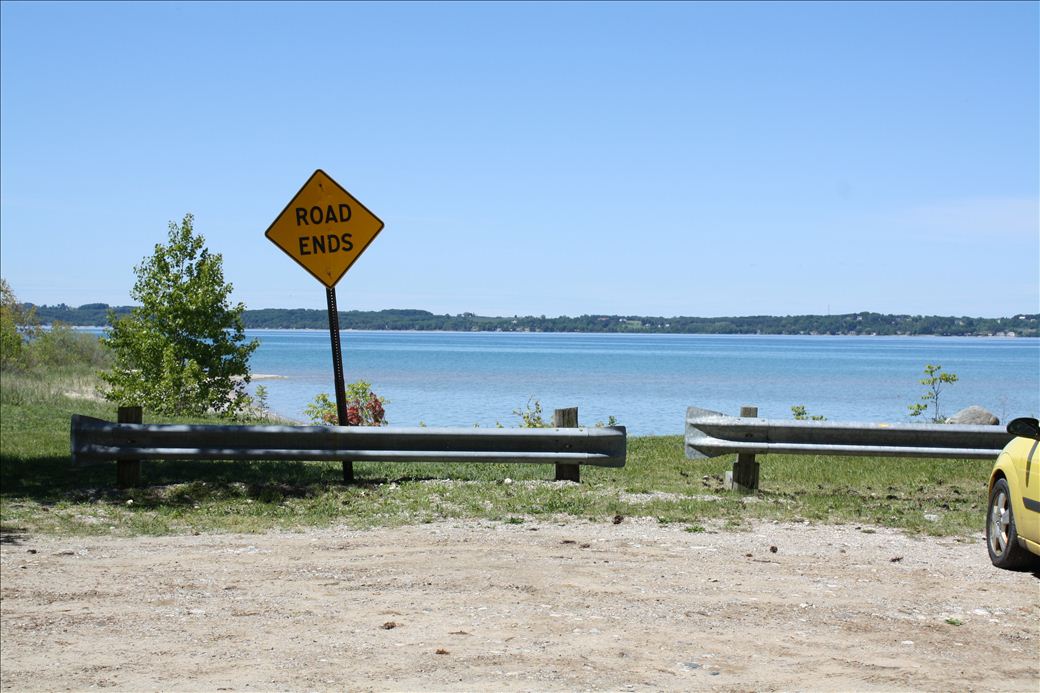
{"points": [[646, 381]]}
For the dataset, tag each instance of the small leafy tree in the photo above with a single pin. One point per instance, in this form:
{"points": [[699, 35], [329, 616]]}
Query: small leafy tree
{"points": [[364, 407], [800, 414], [934, 380], [183, 349], [531, 416], [16, 325], [260, 401]]}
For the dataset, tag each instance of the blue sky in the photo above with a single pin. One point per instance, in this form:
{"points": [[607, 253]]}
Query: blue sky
{"points": [[662, 159]]}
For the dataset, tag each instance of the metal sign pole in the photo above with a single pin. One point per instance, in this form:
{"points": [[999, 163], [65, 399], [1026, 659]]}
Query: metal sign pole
{"points": [[337, 373]]}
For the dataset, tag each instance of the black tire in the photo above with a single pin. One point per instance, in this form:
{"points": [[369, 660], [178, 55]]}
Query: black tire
{"points": [[1001, 534]]}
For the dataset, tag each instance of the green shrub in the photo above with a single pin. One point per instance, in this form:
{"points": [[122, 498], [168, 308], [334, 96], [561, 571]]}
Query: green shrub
{"points": [[364, 407]]}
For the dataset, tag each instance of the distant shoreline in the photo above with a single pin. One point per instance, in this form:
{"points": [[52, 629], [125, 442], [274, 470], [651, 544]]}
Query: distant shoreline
{"points": [[411, 320], [614, 334]]}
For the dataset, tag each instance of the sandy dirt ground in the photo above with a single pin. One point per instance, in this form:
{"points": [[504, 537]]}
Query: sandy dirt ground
{"points": [[536, 606]]}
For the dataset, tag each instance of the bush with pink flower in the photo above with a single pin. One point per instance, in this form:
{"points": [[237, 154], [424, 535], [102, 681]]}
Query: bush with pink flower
{"points": [[364, 407]]}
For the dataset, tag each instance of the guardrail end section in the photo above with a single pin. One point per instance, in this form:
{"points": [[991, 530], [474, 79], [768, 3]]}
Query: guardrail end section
{"points": [[74, 427], [694, 435], [620, 453], [77, 425]]}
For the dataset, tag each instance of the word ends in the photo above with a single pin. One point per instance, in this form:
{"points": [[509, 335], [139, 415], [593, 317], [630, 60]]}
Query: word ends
{"points": [[309, 245]]}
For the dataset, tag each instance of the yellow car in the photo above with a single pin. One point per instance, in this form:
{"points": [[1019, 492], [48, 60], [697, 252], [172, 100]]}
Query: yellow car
{"points": [[1013, 514]]}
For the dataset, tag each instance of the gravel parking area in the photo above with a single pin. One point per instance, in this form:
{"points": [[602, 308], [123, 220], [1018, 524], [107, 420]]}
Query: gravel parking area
{"points": [[532, 606]]}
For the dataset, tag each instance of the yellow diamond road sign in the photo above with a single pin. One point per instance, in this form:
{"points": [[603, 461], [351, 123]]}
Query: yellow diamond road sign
{"points": [[324, 228]]}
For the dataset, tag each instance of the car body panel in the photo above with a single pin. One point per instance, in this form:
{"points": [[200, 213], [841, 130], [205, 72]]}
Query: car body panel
{"points": [[1019, 465]]}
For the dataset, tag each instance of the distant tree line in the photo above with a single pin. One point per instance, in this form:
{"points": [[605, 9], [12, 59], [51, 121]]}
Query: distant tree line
{"points": [[1021, 325]]}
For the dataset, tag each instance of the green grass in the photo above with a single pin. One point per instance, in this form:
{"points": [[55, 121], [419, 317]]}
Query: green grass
{"points": [[41, 492]]}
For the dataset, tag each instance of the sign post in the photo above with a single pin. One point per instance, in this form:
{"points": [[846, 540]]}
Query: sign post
{"points": [[325, 230], [337, 366]]}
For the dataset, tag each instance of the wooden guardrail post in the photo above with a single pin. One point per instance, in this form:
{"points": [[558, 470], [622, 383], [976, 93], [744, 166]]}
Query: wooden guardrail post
{"points": [[744, 476], [128, 472], [567, 418]]}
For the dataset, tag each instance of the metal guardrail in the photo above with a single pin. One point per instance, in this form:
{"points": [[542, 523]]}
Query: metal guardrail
{"points": [[710, 434], [95, 440]]}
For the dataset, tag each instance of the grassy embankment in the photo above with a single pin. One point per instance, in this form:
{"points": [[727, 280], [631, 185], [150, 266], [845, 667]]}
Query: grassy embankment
{"points": [[40, 492]]}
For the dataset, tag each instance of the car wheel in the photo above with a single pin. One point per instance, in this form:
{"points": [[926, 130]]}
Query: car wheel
{"points": [[1001, 535]]}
